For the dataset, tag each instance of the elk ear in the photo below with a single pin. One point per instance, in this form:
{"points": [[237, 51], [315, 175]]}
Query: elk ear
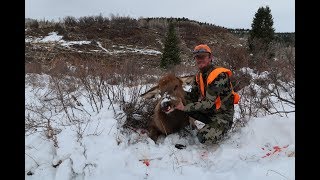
{"points": [[186, 80], [151, 93]]}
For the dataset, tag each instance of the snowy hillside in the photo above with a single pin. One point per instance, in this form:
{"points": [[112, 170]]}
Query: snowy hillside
{"points": [[92, 145]]}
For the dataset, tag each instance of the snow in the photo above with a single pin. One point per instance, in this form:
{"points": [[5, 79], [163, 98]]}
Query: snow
{"points": [[98, 149], [70, 43], [53, 37], [129, 50]]}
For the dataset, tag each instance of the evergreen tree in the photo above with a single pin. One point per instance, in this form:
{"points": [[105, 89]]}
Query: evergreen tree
{"points": [[171, 51], [262, 30]]}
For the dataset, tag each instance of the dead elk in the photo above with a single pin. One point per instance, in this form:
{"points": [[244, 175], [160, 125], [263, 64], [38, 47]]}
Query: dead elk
{"points": [[166, 119]]}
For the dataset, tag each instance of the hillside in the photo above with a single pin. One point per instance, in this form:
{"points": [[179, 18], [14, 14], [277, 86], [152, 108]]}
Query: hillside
{"points": [[131, 47], [106, 39]]}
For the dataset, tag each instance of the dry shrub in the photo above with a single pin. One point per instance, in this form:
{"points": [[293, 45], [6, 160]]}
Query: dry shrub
{"points": [[33, 67], [130, 73], [33, 24], [233, 57], [274, 90], [58, 67], [138, 113], [261, 55], [86, 21], [160, 24], [143, 23], [123, 23], [239, 80], [182, 70], [70, 21], [284, 65], [189, 32]]}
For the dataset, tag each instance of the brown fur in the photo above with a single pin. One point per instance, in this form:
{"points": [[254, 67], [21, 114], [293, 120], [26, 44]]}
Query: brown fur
{"points": [[163, 123]]}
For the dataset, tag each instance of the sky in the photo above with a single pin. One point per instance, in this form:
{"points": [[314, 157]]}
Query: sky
{"points": [[226, 13], [264, 149]]}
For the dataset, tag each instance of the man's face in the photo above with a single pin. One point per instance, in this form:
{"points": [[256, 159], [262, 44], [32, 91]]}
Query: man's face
{"points": [[202, 60]]}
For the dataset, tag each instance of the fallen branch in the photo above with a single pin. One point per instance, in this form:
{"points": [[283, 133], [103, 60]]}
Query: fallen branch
{"points": [[277, 173]]}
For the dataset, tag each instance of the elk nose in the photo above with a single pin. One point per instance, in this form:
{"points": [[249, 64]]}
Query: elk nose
{"points": [[165, 104]]}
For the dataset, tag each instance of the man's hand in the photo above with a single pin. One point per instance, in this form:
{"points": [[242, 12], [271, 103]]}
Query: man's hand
{"points": [[180, 106]]}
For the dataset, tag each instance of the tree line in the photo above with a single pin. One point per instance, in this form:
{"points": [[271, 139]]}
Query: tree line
{"points": [[261, 39]]}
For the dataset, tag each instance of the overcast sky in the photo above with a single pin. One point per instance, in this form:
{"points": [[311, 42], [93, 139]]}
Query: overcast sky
{"points": [[226, 13]]}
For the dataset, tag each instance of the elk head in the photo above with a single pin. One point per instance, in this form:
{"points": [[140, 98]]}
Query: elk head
{"points": [[170, 89]]}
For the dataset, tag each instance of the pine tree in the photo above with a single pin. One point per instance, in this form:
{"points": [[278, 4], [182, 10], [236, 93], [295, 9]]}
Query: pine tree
{"points": [[171, 51], [262, 28]]}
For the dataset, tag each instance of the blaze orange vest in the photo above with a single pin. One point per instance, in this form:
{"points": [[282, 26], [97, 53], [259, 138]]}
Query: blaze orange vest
{"points": [[212, 76]]}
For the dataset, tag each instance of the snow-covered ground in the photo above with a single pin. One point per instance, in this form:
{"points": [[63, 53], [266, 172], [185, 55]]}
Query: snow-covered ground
{"points": [[264, 149]]}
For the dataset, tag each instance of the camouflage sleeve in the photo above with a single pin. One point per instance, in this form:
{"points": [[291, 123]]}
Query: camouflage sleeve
{"points": [[193, 95], [219, 86]]}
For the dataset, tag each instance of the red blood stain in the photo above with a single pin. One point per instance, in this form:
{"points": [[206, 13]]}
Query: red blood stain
{"points": [[146, 162], [275, 149]]}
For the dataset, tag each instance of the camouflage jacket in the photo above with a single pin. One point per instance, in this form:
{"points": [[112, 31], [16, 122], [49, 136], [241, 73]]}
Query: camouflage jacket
{"points": [[219, 87]]}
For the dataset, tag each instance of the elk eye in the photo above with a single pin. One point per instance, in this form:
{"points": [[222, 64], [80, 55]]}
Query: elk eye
{"points": [[175, 87]]}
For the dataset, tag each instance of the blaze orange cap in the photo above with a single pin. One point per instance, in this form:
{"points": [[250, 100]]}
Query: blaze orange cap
{"points": [[202, 48]]}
